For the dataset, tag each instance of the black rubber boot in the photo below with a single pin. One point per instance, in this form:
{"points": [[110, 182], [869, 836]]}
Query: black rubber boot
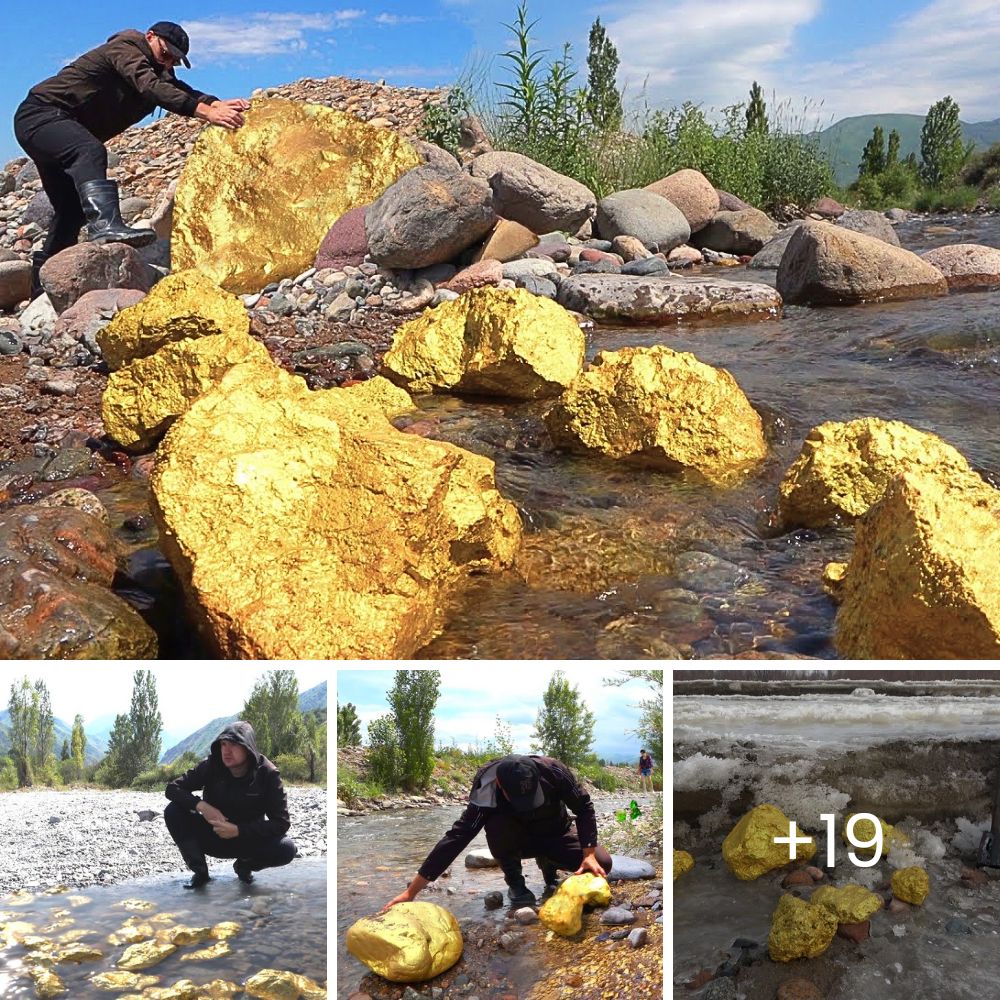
{"points": [[243, 871], [550, 875], [517, 892], [37, 260], [99, 200], [194, 858]]}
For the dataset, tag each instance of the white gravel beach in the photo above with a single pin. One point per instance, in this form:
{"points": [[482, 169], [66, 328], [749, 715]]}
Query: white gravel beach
{"points": [[83, 837]]}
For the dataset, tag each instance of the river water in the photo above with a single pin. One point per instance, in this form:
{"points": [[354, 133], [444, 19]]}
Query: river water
{"points": [[282, 920], [378, 854], [928, 764], [624, 563]]}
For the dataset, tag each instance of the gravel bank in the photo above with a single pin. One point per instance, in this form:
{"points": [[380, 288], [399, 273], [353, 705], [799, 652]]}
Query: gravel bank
{"points": [[90, 837]]}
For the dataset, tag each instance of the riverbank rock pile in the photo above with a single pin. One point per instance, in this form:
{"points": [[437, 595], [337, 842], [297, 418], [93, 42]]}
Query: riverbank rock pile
{"points": [[409, 943]]}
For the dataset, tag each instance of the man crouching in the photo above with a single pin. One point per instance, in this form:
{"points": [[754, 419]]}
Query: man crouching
{"points": [[242, 813]]}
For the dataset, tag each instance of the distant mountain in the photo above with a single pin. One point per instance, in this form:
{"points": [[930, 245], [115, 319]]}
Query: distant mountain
{"points": [[200, 741], [95, 749], [845, 140]]}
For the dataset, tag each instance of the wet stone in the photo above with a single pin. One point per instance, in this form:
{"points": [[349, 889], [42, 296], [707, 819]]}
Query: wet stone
{"points": [[617, 915], [638, 937]]}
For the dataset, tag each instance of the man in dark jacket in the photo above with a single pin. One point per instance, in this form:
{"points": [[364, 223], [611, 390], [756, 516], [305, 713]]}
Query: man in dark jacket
{"points": [[242, 812], [521, 803], [64, 121]]}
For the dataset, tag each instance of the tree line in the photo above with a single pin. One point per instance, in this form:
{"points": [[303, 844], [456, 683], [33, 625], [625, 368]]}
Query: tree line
{"points": [[401, 742], [293, 740]]}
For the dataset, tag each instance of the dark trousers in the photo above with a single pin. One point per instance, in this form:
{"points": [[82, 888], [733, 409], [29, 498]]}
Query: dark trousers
{"points": [[185, 826], [66, 155], [509, 843]]}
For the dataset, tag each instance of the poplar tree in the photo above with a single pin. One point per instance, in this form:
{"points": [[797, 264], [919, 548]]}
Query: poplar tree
{"points": [[604, 100], [941, 147], [564, 727], [348, 726], [873, 157], [273, 711], [892, 152], [413, 697], [78, 744], [756, 110]]}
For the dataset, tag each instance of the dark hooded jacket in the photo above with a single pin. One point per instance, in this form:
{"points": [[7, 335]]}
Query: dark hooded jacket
{"points": [[256, 803], [548, 821], [116, 85]]}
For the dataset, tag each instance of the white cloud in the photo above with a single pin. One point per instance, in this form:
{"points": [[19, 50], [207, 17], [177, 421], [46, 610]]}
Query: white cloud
{"points": [[393, 19], [711, 54], [410, 71], [261, 34]]}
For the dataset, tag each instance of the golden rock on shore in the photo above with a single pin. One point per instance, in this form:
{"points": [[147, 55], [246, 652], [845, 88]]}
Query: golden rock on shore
{"points": [[844, 468], [409, 943], [800, 930], [911, 885], [182, 306], [850, 904], [252, 206], [304, 525], [922, 581], [683, 863], [490, 341], [657, 407], [563, 912], [749, 849]]}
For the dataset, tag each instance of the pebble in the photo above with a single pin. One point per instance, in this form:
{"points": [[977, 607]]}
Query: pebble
{"points": [[493, 900], [526, 915], [637, 938], [617, 915]]}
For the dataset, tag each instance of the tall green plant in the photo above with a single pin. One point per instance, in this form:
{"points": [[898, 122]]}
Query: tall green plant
{"points": [[348, 726], [564, 726], [941, 147], [273, 711], [604, 99], [412, 698], [523, 101], [756, 115], [873, 156]]}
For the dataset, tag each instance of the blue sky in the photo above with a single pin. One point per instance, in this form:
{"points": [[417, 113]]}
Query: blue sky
{"points": [[189, 695], [844, 58], [472, 696]]}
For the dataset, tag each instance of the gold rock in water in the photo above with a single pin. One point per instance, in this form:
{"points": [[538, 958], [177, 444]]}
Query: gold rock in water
{"points": [[850, 904], [184, 305], [273, 984], [800, 930], [47, 983], [76, 935], [911, 885], [115, 982], [79, 953], [844, 468], [137, 905], [563, 912], [145, 954], [226, 929], [55, 890], [216, 950], [409, 943], [131, 933], [185, 935], [922, 582], [220, 989], [304, 525], [20, 898], [252, 206], [76, 901], [749, 849], [660, 408], [490, 341], [37, 942], [683, 863], [183, 989], [13, 932]]}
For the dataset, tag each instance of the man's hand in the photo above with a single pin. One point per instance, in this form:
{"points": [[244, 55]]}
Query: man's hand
{"points": [[209, 812], [225, 114], [239, 103], [590, 864], [404, 897], [225, 829]]}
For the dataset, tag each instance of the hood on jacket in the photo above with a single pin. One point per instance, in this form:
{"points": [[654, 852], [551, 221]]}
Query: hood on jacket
{"points": [[237, 732]]}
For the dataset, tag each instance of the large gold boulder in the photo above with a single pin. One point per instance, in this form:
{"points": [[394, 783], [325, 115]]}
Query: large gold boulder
{"points": [[844, 468], [252, 206], [749, 849], [660, 408], [850, 904], [303, 525], [563, 912], [800, 930], [144, 398], [922, 582], [911, 885], [183, 306], [409, 943], [490, 342], [683, 863]]}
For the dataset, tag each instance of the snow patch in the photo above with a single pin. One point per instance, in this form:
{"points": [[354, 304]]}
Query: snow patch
{"points": [[702, 771]]}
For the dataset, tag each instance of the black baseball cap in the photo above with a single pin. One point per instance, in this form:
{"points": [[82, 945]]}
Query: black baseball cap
{"points": [[176, 38], [519, 777]]}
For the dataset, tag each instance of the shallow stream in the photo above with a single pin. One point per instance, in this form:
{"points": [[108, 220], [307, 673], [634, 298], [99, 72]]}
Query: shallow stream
{"points": [[282, 919]]}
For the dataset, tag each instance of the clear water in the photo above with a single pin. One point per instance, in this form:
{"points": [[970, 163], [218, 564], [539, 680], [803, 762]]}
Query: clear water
{"points": [[283, 919]]}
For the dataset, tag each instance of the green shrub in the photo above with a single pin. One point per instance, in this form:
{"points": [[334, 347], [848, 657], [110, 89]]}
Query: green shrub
{"points": [[293, 766], [384, 753], [8, 775], [352, 790], [956, 199], [158, 777], [440, 122]]}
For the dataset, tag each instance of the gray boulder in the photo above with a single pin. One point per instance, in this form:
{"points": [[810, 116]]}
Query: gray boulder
{"points": [[768, 257], [737, 232], [965, 265], [435, 155], [875, 224], [627, 298], [628, 869], [533, 194], [39, 210], [429, 216], [25, 175], [481, 858], [15, 282], [657, 223], [88, 266], [730, 203]]}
